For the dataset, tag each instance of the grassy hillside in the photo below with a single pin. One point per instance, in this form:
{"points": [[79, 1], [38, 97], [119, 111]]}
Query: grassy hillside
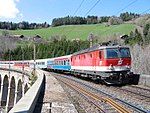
{"points": [[79, 31]]}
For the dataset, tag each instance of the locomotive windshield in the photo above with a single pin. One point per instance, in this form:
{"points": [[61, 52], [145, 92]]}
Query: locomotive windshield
{"points": [[117, 53]]}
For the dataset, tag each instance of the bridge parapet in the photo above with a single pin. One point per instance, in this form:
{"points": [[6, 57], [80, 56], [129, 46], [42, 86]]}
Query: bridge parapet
{"points": [[27, 103]]}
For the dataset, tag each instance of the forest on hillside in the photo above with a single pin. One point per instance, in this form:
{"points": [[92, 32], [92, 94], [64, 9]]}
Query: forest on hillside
{"points": [[112, 20], [22, 25], [54, 48], [70, 20]]}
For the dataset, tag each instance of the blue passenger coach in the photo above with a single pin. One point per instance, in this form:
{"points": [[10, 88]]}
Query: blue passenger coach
{"points": [[60, 63]]}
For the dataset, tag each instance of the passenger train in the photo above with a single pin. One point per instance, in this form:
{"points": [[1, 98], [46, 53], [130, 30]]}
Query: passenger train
{"points": [[110, 64]]}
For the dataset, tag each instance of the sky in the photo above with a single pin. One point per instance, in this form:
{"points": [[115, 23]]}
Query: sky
{"points": [[40, 11]]}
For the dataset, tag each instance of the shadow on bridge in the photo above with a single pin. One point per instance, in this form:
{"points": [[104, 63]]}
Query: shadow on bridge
{"points": [[38, 107]]}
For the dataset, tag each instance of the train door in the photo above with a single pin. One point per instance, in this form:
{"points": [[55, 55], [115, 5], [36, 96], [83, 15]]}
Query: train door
{"points": [[98, 60]]}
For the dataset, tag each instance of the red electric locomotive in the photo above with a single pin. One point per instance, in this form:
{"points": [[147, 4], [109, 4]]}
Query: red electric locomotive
{"points": [[112, 64]]}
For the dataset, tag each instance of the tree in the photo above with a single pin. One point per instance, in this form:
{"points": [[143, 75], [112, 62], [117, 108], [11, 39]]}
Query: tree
{"points": [[114, 20], [92, 19], [128, 16], [146, 33]]}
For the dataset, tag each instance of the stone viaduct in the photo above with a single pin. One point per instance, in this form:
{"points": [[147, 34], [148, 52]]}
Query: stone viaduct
{"points": [[14, 85]]}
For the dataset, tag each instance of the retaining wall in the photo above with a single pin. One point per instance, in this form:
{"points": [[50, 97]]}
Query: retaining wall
{"points": [[144, 80]]}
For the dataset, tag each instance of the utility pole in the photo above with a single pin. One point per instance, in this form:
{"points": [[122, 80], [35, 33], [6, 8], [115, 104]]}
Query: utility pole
{"points": [[9, 61], [34, 55], [91, 38], [22, 50], [22, 58]]}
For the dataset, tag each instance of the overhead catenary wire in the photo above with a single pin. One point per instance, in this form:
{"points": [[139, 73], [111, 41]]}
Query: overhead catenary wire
{"points": [[126, 6], [134, 1], [78, 7], [88, 11], [131, 3], [91, 8], [76, 11], [146, 11]]}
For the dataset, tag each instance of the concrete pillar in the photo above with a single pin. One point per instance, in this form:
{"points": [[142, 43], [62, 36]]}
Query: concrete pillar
{"points": [[16, 92], [23, 85], [23, 89], [7, 103], [1, 92]]}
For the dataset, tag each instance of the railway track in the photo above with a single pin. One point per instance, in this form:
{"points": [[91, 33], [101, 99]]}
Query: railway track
{"points": [[104, 104], [133, 107], [141, 94]]}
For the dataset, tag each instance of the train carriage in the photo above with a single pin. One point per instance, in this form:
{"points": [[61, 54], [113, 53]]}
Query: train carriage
{"points": [[60, 63], [41, 63]]}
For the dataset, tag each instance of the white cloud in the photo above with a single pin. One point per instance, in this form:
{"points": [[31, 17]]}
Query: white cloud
{"points": [[8, 8]]}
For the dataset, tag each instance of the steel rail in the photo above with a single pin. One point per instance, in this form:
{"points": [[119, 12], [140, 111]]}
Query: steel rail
{"points": [[84, 93], [109, 101]]}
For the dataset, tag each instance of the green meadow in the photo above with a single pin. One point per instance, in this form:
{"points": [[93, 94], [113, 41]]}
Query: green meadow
{"points": [[77, 31]]}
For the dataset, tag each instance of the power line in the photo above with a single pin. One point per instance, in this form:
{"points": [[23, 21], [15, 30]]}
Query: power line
{"points": [[126, 6], [92, 8], [76, 11], [88, 10], [119, 12], [78, 7], [146, 11]]}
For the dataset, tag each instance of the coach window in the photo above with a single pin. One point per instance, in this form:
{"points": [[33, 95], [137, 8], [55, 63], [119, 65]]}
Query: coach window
{"points": [[84, 56], [64, 62], [68, 62], [91, 55]]}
